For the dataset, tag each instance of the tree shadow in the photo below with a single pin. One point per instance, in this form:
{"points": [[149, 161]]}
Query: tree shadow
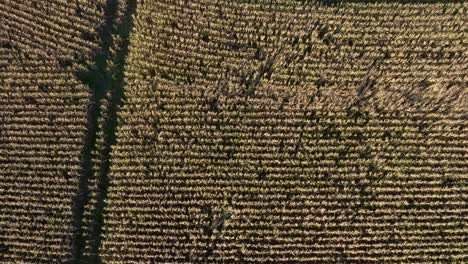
{"points": [[105, 78]]}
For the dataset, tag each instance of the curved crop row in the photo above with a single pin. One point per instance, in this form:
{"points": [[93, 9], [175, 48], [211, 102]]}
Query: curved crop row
{"points": [[291, 132]]}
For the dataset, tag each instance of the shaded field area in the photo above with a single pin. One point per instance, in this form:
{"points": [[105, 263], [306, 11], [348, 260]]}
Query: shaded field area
{"points": [[246, 131]]}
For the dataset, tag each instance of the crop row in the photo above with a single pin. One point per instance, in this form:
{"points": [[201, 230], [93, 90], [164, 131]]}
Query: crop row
{"points": [[43, 113], [192, 182], [402, 48], [282, 131]]}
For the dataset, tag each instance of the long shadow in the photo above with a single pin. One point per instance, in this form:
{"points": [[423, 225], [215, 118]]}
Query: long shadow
{"points": [[105, 76], [110, 124]]}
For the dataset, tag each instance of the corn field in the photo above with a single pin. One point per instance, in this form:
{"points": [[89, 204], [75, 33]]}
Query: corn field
{"points": [[244, 131]]}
